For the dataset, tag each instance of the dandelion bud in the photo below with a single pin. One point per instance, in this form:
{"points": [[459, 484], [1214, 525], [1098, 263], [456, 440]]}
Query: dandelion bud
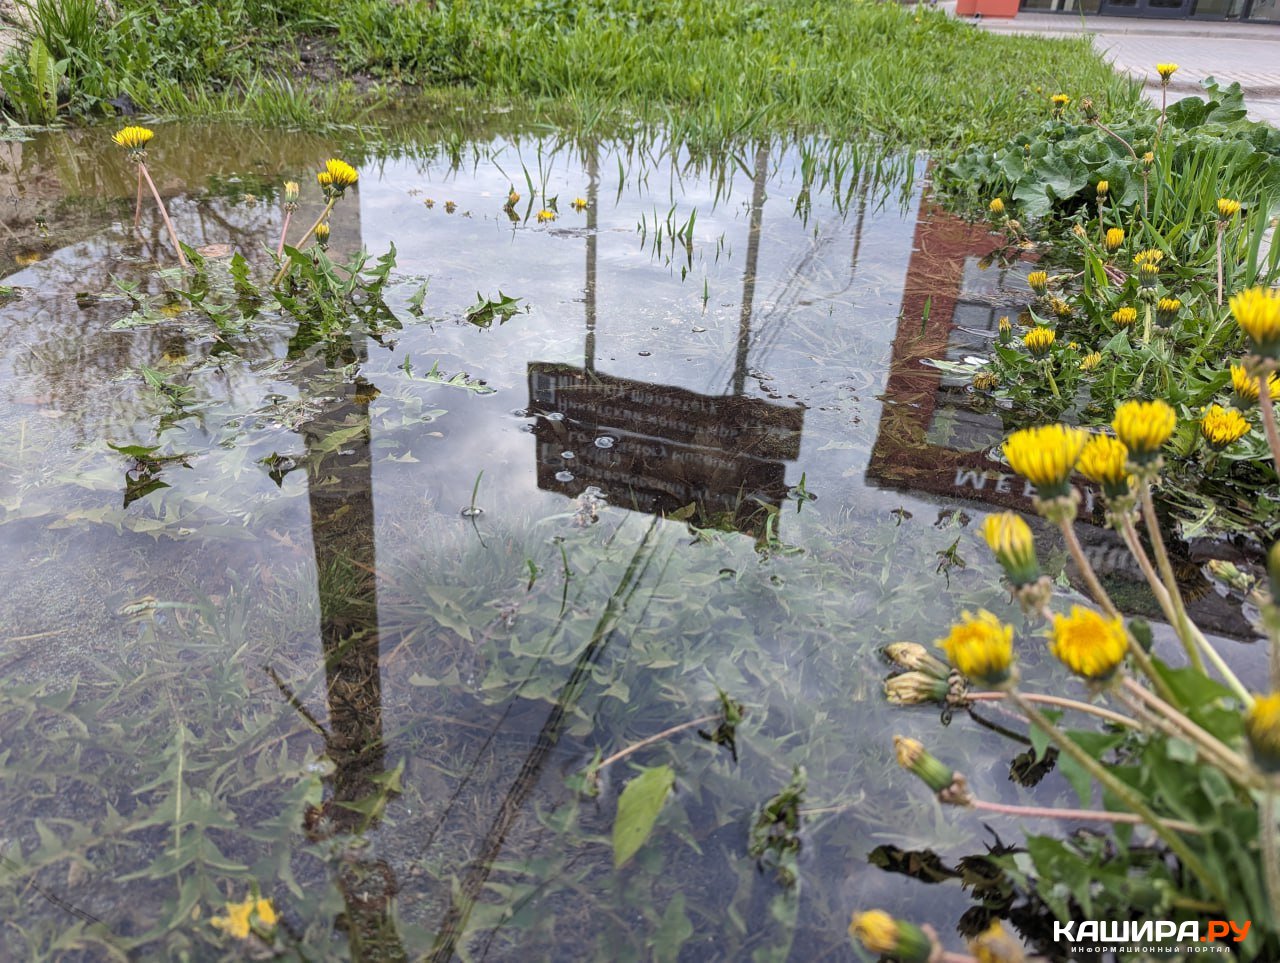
{"points": [[1123, 317], [1167, 310], [881, 933], [1091, 361], [1005, 329], [1102, 188], [996, 206], [1013, 226], [291, 191], [1088, 109], [1039, 340], [915, 657], [1010, 540], [915, 688], [1079, 231], [1038, 281], [1227, 208], [1114, 238], [1148, 274], [322, 234], [1148, 159], [1060, 308], [915, 758], [513, 198]]}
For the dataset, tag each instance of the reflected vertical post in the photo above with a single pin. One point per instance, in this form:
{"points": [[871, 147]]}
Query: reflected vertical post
{"points": [[749, 274], [593, 221]]}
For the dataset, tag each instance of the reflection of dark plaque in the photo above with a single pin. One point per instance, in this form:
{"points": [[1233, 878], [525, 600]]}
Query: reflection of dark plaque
{"points": [[657, 448]]}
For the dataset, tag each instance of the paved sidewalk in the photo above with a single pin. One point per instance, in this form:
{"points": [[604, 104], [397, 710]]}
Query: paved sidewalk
{"points": [[1245, 52]]}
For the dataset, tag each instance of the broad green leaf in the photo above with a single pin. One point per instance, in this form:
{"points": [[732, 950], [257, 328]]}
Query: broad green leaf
{"points": [[638, 809]]}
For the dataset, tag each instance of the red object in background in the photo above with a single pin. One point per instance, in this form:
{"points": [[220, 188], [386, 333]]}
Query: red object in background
{"points": [[987, 8]]}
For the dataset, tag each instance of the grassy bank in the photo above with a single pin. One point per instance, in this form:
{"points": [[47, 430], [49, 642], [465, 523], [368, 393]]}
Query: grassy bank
{"points": [[707, 68]]}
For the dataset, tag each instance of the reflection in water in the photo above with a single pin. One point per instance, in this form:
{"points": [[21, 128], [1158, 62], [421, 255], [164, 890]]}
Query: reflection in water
{"points": [[932, 439], [721, 381]]}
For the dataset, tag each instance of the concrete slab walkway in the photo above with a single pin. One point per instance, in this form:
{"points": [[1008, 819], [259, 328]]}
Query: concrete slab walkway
{"points": [[1244, 52]]}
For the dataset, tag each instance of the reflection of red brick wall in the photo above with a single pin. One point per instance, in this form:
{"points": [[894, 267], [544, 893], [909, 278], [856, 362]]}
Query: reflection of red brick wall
{"points": [[901, 458]]}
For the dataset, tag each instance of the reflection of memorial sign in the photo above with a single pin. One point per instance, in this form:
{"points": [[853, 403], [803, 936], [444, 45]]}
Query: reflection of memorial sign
{"points": [[658, 448]]}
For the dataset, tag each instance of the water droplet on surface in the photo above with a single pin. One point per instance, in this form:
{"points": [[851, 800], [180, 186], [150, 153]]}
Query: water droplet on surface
{"points": [[472, 511], [564, 476], [554, 416], [698, 330], [645, 354], [604, 441], [568, 455]]}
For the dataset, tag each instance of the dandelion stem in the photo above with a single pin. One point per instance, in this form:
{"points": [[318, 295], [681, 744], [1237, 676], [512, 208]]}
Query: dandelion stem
{"points": [[658, 737], [1181, 623], [284, 231], [1126, 795], [1061, 702], [284, 268], [173, 235], [1221, 227], [1081, 815], [1173, 722], [1269, 415], [1086, 570], [1048, 373], [1270, 850], [137, 206]]}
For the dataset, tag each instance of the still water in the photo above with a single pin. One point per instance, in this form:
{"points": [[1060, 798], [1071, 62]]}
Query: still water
{"points": [[352, 622]]}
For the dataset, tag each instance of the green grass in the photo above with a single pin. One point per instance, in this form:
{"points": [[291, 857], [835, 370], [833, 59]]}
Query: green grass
{"points": [[707, 69]]}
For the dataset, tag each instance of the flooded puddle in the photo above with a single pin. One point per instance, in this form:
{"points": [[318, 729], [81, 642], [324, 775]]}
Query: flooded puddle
{"points": [[360, 620]]}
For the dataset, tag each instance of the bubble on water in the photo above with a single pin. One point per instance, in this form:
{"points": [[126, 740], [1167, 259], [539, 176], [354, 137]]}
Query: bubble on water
{"points": [[568, 455], [472, 511], [645, 354], [564, 476], [604, 441]]}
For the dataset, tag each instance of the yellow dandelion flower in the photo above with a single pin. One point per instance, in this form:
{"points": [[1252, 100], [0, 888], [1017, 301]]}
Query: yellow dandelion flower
{"points": [[1247, 387], [1257, 311], [1227, 208], [996, 206], [1223, 426], [1262, 726], [1148, 159], [322, 233], [1144, 427], [1115, 237], [236, 922], [1010, 540], [981, 647], [266, 912], [1102, 189], [1046, 455], [546, 215], [1060, 100], [881, 933], [1039, 340], [579, 203], [1104, 460], [1167, 310], [1148, 274], [996, 945], [133, 138], [1088, 644], [1152, 255], [1038, 281], [1166, 71], [986, 381], [342, 174], [1123, 317], [325, 180], [1005, 329], [1091, 361]]}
